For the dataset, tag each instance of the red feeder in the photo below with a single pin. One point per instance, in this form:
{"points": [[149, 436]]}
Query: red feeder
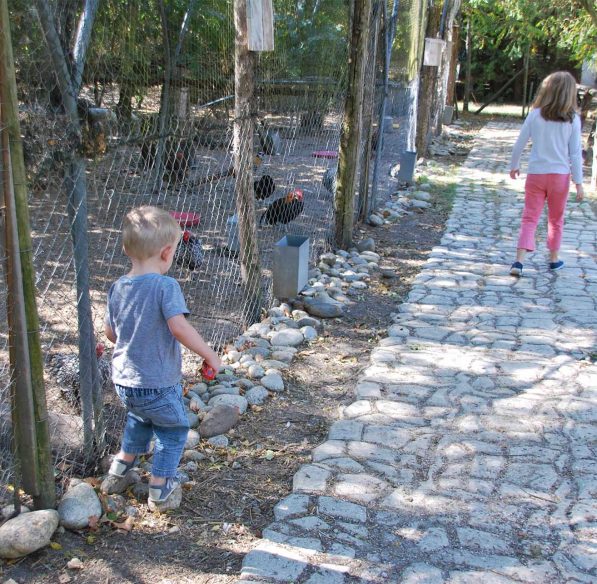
{"points": [[186, 219], [325, 154]]}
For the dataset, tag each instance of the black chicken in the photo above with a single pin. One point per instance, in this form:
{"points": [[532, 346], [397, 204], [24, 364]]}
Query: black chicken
{"points": [[177, 157], [189, 252], [284, 210], [264, 187], [64, 368]]}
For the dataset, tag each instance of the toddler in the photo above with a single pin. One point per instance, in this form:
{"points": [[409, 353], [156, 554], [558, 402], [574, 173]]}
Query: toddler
{"points": [[146, 320]]}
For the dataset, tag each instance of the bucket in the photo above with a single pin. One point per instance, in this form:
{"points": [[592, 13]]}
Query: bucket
{"points": [[407, 166]]}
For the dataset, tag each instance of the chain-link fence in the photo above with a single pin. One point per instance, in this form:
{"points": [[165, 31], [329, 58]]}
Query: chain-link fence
{"points": [[154, 96]]}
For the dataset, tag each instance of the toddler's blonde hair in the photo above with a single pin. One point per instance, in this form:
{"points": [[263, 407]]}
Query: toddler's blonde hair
{"points": [[557, 97], [146, 230]]}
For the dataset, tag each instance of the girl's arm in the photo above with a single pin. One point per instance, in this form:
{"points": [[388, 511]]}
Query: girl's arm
{"points": [[191, 339], [575, 153], [521, 142]]}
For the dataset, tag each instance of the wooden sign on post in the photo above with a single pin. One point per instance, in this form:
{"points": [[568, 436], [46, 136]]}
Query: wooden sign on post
{"points": [[260, 25]]}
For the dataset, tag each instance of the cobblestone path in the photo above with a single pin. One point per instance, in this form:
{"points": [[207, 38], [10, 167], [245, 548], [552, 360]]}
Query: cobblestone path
{"points": [[469, 455]]}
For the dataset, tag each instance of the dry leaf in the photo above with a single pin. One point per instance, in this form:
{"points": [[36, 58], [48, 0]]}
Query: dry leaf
{"points": [[64, 578], [55, 545], [93, 521], [75, 564], [126, 525]]}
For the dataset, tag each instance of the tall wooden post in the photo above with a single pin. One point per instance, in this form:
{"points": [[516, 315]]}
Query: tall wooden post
{"points": [[30, 413], [244, 86], [351, 124]]}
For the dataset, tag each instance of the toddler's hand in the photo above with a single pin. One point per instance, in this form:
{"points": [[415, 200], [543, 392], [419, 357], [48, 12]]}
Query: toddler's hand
{"points": [[580, 193], [514, 173], [215, 363]]}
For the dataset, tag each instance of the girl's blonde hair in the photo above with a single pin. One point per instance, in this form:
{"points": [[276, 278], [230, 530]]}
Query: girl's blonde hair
{"points": [[557, 97], [146, 230]]}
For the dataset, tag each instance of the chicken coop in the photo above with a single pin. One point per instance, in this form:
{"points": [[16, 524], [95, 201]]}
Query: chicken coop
{"points": [[166, 113]]}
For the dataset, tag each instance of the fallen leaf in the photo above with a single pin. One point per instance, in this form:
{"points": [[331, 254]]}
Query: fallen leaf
{"points": [[55, 545], [126, 525], [64, 578], [93, 521], [75, 564]]}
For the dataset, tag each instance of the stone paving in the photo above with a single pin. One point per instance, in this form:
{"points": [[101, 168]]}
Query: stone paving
{"points": [[469, 455]]}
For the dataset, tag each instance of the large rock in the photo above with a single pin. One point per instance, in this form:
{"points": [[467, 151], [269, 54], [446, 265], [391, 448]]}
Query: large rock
{"points": [[273, 382], [323, 308], [193, 438], [78, 505], [27, 533], [219, 420], [256, 395], [236, 401], [366, 245], [287, 337]]}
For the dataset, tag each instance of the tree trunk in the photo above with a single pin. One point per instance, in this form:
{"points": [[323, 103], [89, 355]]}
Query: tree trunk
{"points": [[449, 12], [244, 86], [351, 125], [468, 76], [77, 209], [450, 95], [412, 18], [525, 80], [35, 416], [367, 114], [428, 85]]}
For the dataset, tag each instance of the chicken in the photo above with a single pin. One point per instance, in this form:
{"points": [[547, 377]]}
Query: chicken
{"points": [[284, 210], [329, 180], [177, 156], [64, 368], [264, 187], [189, 251]]}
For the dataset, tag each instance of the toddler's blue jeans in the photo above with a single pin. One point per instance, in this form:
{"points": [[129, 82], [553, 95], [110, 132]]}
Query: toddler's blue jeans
{"points": [[161, 412]]}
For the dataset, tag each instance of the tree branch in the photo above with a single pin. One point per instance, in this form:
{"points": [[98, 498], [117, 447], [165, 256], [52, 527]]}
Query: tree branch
{"points": [[591, 9], [63, 78], [82, 40]]}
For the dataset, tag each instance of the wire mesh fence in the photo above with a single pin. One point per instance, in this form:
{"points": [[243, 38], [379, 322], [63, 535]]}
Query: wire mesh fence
{"points": [[156, 110], [123, 104]]}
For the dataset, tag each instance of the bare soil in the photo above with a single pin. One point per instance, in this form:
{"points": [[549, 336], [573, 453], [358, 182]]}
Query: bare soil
{"points": [[233, 492]]}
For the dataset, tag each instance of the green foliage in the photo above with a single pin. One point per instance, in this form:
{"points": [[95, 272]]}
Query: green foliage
{"points": [[559, 34]]}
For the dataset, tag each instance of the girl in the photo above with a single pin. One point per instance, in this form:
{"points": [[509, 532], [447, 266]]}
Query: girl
{"points": [[554, 128]]}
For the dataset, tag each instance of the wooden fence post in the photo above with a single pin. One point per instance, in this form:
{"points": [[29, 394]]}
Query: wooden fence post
{"points": [[351, 125], [244, 85]]}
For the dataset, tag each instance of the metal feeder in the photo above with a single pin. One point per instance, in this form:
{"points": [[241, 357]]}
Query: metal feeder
{"points": [[291, 265], [407, 166]]}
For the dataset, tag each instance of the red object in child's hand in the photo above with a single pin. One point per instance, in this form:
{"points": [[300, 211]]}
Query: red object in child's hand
{"points": [[208, 373]]}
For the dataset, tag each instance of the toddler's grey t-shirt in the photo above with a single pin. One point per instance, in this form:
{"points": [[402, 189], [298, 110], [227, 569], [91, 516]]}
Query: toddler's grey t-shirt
{"points": [[146, 353]]}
